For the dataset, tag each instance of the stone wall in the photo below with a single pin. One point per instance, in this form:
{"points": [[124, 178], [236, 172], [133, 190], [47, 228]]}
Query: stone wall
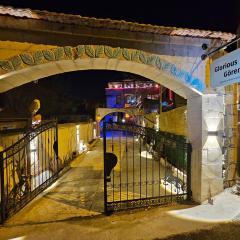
{"points": [[205, 124], [69, 144], [7, 140], [174, 121]]}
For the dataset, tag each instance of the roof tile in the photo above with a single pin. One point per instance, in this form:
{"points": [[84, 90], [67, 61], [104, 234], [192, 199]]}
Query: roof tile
{"points": [[114, 24]]}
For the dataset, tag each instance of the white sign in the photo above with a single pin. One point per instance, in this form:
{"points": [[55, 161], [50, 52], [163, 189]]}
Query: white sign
{"points": [[226, 70]]}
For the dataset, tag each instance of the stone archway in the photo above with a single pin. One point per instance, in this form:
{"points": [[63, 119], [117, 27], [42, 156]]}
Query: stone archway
{"points": [[206, 171], [102, 112], [27, 67]]}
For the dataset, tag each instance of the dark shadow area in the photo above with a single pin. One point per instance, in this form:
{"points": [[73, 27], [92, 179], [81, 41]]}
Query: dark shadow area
{"points": [[84, 91], [228, 231]]}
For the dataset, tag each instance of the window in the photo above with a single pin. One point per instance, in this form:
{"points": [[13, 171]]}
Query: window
{"points": [[118, 100], [130, 99]]}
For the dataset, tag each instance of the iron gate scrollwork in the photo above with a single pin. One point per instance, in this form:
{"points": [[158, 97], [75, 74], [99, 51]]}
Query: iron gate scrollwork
{"points": [[152, 167], [27, 167]]}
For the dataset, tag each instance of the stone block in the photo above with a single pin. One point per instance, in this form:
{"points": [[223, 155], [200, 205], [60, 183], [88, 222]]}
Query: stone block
{"points": [[211, 171], [212, 156]]}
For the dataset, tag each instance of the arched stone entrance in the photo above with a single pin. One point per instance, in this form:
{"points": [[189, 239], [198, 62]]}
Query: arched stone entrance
{"points": [[102, 112], [206, 168], [44, 63]]}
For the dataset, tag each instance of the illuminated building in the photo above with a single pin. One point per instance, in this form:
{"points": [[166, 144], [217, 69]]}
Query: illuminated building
{"points": [[133, 94], [143, 95]]}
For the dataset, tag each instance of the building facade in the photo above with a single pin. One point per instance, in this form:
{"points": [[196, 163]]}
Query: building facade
{"points": [[145, 95]]}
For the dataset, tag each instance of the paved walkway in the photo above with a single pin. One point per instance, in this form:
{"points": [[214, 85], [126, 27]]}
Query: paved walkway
{"points": [[71, 209], [78, 193]]}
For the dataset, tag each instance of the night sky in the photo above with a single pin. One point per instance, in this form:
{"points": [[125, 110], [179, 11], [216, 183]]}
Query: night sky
{"points": [[198, 14], [94, 82], [201, 14]]}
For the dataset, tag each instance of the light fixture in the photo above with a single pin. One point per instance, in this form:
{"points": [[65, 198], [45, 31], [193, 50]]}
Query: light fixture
{"points": [[204, 46], [212, 133], [98, 118]]}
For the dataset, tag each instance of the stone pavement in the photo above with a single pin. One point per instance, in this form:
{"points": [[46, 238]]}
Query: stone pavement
{"points": [[142, 224], [225, 207], [78, 193], [71, 209]]}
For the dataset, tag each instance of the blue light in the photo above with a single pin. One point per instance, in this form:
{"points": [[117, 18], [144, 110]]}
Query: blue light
{"points": [[180, 74], [164, 104]]}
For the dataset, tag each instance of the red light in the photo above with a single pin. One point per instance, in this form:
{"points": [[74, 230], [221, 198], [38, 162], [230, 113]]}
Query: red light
{"points": [[170, 95]]}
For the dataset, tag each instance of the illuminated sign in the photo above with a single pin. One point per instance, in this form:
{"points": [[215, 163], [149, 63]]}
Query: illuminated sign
{"points": [[226, 70]]}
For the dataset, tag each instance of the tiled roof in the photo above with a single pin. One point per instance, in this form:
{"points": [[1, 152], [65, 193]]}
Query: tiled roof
{"points": [[113, 24]]}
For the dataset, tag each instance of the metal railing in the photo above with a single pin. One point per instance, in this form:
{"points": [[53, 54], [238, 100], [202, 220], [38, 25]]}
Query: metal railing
{"points": [[143, 167], [27, 167]]}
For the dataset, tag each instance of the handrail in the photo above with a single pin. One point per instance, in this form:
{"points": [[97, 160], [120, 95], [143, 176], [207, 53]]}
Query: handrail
{"points": [[145, 131]]}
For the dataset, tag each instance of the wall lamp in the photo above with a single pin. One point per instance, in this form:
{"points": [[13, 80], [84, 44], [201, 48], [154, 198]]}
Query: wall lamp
{"points": [[219, 133], [212, 133]]}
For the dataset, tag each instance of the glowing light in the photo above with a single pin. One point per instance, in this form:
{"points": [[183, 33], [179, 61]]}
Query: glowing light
{"points": [[51, 187], [212, 123], [157, 123], [98, 118], [171, 187], [79, 142], [82, 146], [211, 143], [78, 133], [123, 120], [18, 238], [170, 95], [40, 178], [94, 133], [146, 154], [127, 115], [34, 157]]}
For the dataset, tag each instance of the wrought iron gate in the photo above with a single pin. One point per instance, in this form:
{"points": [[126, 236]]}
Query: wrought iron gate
{"points": [[27, 167], [143, 167]]}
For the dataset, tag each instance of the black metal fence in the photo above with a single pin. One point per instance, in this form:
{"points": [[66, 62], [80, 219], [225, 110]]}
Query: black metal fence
{"points": [[144, 167], [27, 167]]}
